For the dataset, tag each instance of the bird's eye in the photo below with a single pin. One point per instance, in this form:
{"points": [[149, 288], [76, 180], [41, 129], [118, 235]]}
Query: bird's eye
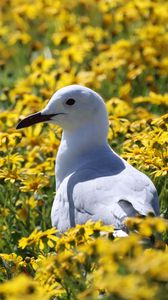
{"points": [[70, 101]]}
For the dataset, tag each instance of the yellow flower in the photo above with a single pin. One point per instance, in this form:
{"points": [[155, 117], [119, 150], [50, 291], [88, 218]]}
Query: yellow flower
{"points": [[11, 174], [19, 36], [153, 98], [118, 108], [152, 263], [36, 238], [22, 287], [32, 182]]}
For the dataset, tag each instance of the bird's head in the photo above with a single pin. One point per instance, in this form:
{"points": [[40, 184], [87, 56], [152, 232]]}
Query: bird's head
{"points": [[70, 107]]}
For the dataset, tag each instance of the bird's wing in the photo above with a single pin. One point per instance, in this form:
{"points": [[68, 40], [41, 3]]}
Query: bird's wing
{"points": [[110, 197]]}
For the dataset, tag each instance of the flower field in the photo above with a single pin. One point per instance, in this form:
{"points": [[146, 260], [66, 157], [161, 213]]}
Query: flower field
{"points": [[119, 48]]}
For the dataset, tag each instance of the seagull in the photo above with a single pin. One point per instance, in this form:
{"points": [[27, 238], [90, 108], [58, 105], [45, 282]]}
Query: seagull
{"points": [[92, 181]]}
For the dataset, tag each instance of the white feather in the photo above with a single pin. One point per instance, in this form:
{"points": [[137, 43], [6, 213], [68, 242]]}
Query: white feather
{"points": [[93, 182]]}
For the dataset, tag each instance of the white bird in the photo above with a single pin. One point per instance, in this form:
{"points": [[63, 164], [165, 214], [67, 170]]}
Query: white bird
{"points": [[92, 181]]}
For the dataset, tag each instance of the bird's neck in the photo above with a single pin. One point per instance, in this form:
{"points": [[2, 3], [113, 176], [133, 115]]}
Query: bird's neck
{"points": [[78, 148]]}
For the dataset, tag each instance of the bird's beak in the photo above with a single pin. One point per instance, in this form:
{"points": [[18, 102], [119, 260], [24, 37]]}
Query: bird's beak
{"points": [[34, 119]]}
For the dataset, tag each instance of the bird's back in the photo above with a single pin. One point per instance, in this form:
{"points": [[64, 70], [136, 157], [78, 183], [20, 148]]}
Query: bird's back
{"points": [[107, 189]]}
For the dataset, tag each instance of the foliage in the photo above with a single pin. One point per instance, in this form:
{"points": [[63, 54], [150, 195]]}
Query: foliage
{"points": [[88, 262], [119, 48]]}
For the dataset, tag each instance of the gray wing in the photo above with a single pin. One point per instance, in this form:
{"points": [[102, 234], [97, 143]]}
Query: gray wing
{"points": [[110, 197]]}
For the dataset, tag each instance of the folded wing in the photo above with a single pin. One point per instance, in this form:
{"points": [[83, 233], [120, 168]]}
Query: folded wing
{"points": [[110, 198]]}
